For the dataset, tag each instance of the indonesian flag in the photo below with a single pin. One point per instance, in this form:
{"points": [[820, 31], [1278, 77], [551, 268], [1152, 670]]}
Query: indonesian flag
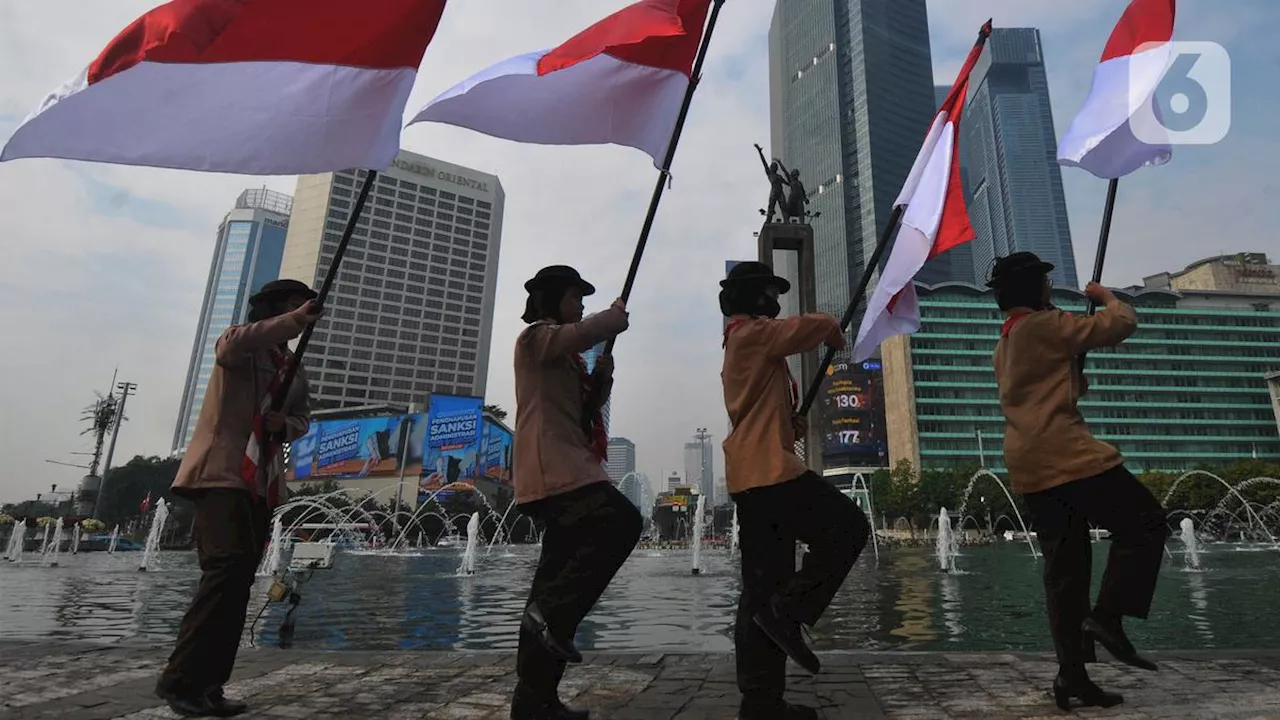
{"points": [[146, 503], [934, 220], [620, 81], [1101, 138], [271, 87]]}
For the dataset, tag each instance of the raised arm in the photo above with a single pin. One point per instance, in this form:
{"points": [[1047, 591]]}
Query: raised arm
{"points": [[548, 342], [239, 342], [1081, 333], [763, 162], [801, 334]]}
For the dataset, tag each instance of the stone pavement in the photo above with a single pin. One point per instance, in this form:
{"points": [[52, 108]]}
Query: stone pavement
{"points": [[86, 682]]}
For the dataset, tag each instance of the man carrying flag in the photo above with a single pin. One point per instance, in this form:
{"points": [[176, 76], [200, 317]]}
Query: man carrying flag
{"points": [[233, 470]]}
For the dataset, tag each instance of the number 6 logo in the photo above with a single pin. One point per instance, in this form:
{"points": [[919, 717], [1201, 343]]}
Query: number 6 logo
{"points": [[1192, 103]]}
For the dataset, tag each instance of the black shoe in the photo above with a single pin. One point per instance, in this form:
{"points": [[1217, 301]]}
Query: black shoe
{"points": [[1112, 637], [786, 634], [224, 707], [189, 705], [1090, 695], [536, 624], [776, 711], [525, 706]]}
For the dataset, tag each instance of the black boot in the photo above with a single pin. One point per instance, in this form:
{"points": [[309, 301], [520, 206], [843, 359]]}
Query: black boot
{"points": [[222, 707], [1110, 632], [1080, 686], [534, 622], [775, 711], [188, 704], [786, 634], [525, 705]]}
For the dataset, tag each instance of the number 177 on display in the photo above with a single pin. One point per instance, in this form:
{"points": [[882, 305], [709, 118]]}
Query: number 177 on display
{"points": [[849, 437]]}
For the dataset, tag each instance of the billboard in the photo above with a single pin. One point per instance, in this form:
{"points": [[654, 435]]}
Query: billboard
{"points": [[358, 448], [852, 415], [496, 445], [451, 450]]}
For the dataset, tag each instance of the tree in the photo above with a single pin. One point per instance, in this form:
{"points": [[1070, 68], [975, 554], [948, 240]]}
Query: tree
{"points": [[126, 486], [496, 411]]}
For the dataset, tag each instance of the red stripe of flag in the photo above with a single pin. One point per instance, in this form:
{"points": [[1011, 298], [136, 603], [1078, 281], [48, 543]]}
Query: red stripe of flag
{"points": [[1144, 21], [657, 33]]}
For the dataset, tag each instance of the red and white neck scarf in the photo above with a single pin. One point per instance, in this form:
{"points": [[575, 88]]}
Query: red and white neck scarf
{"points": [[262, 447], [792, 385]]}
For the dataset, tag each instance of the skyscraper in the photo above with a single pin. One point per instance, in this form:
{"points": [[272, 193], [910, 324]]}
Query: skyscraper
{"points": [[851, 99], [1015, 183], [247, 255], [412, 309], [956, 264], [699, 468], [622, 458]]}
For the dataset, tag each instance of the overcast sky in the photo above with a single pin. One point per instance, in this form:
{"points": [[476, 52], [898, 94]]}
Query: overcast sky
{"points": [[104, 266]]}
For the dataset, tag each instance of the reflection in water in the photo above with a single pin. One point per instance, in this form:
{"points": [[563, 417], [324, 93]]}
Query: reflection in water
{"points": [[416, 602]]}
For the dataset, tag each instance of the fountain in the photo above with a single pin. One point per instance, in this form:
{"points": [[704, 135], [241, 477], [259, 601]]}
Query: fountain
{"points": [[17, 541], [698, 521], [1232, 491], [51, 553], [153, 537], [964, 503], [44, 544], [733, 531], [270, 564], [1191, 554], [114, 540], [468, 566], [947, 547], [75, 540]]}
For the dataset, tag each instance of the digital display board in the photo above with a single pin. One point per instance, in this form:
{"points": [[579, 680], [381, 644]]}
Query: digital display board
{"points": [[852, 415]]}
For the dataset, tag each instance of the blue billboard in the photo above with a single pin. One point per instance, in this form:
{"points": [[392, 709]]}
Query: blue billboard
{"points": [[497, 444], [358, 448], [451, 452]]}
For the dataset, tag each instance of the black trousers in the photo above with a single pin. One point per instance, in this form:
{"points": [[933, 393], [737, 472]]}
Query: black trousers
{"points": [[589, 534], [770, 520], [1117, 502], [231, 532]]}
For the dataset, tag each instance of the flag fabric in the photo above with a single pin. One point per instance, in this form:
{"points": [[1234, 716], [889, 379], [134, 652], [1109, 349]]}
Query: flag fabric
{"points": [[934, 220], [245, 86], [1101, 138], [261, 449], [146, 503], [620, 81]]}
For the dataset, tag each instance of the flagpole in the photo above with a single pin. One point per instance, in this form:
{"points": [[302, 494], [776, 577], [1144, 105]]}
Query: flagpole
{"points": [[1100, 257], [694, 79], [277, 402], [870, 268]]}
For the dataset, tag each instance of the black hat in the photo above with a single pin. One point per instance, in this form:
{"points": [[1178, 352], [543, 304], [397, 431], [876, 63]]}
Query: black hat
{"points": [[755, 272], [282, 288], [559, 276], [1015, 264]]}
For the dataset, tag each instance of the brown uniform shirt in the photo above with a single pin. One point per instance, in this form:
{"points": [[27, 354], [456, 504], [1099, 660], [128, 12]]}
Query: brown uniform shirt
{"points": [[237, 386], [552, 452], [1046, 441], [758, 394]]}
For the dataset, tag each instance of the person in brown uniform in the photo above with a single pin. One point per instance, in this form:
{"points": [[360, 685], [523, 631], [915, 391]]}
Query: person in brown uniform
{"points": [[234, 489], [779, 501], [560, 481], [1067, 477]]}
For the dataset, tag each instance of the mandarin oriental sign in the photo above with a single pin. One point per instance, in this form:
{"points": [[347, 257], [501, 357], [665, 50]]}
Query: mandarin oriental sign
{"points": [[428, 171]]}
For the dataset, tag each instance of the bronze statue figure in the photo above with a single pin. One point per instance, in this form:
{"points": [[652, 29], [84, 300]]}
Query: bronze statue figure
{"points": [[777, 178], [797, 198]]}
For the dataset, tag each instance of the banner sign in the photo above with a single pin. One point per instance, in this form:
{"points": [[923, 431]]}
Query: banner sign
{"points": [[852, 415], [452, 452], [359, 448]]}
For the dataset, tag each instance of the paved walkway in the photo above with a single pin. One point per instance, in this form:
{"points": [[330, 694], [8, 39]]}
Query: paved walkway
{"points": [[86, 682]]}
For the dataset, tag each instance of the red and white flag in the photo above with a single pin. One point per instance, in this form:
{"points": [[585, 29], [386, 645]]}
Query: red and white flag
{"points": [[620, 81], [146, 503], [1101, 138], [934, 220], [246, 86]]}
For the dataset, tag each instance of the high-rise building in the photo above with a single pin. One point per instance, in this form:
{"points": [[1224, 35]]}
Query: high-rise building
{"points": [[622, 458], [1015, 193], [1188, 390], [851, 99], [247, 255], [412, 309], [699, 468], [956, 264], [589, 357]]}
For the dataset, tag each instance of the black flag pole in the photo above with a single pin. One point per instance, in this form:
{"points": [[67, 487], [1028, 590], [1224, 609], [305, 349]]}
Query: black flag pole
{"points": [[1101, 256], [874, 262], [695, 78], [371, 176]]}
